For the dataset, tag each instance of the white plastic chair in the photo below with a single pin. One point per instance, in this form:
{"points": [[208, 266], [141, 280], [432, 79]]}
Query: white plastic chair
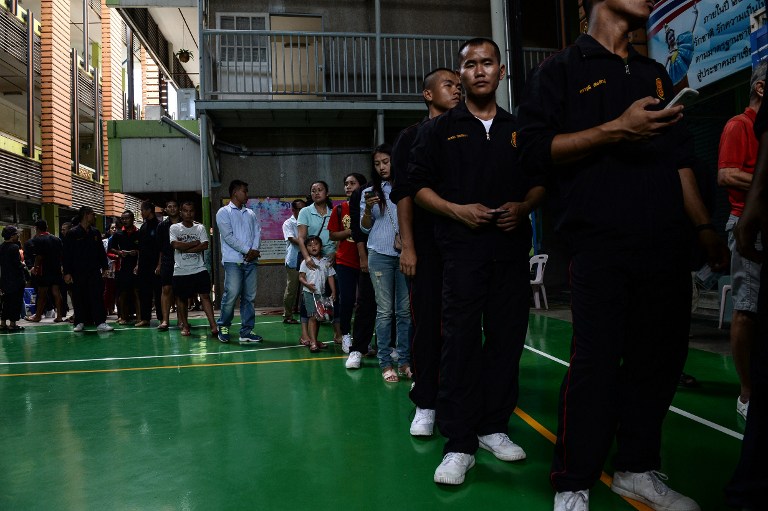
{"points": [[723, 303], [539, 262]]}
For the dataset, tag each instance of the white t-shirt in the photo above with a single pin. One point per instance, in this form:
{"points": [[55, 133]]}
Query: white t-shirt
{"points": [[318, 276], [290, 230], [188, 263]]}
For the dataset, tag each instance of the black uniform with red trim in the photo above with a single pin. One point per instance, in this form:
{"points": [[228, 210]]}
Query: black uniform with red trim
{"points": [[621, 210], [84, 259], [485, 278]]}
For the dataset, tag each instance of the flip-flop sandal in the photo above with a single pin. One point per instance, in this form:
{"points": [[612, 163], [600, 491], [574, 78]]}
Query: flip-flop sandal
{"points": [[32, 319], [314, 348], [59, 320], [162, 327], [304, 342], [404, 371], [390, 376], [290, 321], [185, 333]]}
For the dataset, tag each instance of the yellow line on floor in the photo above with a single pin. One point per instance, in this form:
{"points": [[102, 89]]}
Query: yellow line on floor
{"points": [[223, 364], [605, 478]]}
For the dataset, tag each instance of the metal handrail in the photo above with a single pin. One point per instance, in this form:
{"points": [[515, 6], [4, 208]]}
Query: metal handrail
{"points": [[265, 64], [325, 66]]}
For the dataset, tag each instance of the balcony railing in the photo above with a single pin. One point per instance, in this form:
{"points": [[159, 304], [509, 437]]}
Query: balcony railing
{"points": [[267, 64]]}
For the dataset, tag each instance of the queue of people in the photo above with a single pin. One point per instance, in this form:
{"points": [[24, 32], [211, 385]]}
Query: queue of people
{"points": [[447, 210]]}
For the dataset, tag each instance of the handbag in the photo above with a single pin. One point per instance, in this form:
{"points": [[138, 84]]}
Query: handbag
{"points": [[397, 243], [323, 308]]}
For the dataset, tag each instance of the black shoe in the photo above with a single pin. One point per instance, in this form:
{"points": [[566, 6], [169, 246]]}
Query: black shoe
{"points": [[687, 381]]}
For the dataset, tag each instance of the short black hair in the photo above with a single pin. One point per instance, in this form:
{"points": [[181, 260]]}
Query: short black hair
{"points": [[479, 41], [426, 83], [128, 212], [84, 210], [147, 205], [295, 203], [312, 238], [41, 226], [234, 185], [188, 202]]}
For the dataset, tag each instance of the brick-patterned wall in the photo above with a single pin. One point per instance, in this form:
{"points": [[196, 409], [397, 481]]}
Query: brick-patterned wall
{"points": [[151, 87], [56, 110], [112, 27]]}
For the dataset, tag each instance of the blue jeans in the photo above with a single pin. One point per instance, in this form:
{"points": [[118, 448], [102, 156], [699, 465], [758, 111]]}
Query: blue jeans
{"points": [[239, 280], [392, 303]]}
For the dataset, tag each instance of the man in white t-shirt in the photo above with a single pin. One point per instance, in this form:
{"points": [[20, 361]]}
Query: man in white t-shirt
{"points": [[290, 234], [189, 240]]}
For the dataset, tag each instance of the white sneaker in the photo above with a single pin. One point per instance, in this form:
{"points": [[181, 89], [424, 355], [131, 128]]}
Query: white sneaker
{"points": [[502, 447], [742, 408], [453, 467], [346, 342], [572, 501], [354, 360], [650, 489], [423, 422], [104, 327], [79, 327]]}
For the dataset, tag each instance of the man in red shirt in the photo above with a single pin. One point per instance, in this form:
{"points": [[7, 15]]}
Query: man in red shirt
{"points": [[736, 164]]}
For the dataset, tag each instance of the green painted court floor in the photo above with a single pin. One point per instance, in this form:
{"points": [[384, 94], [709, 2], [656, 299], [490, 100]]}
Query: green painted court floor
{"points": [[143, 420]]}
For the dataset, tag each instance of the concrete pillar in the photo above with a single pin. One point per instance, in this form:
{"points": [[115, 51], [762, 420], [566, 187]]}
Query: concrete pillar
{"points": [[50, 213], [499, 24]]}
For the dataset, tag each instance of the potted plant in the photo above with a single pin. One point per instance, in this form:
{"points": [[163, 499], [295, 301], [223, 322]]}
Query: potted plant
{"points": [[184, 55]]}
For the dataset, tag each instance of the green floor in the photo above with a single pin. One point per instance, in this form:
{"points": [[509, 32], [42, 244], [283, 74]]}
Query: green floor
{"points": [[142, 420]]}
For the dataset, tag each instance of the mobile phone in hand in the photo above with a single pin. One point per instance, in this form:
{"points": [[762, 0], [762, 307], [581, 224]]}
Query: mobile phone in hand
{"points": [[685, 97]]}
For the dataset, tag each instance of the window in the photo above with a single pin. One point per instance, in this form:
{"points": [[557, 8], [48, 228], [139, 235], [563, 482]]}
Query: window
{"points": [[243, 48]]}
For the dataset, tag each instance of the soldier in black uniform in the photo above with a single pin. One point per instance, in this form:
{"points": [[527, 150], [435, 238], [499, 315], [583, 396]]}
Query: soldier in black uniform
{"points": [[420, 257], [150, 287], [84, 262], [625, 194], [463, 167], [125, 244]]}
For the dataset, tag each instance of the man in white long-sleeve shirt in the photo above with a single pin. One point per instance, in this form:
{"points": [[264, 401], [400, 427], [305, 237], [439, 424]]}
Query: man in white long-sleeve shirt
{"points": [[240, 239]]}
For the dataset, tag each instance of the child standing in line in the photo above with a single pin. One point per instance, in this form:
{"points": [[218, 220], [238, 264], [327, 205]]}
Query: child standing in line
{"points": [[313, 281]]}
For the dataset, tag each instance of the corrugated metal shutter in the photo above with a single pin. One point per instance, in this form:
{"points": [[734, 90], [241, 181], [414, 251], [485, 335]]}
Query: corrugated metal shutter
{"points": [[133, 204], [20, 177], [87, 193]]}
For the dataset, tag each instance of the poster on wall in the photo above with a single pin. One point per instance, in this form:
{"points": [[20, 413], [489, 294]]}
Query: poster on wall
{"points": [[701, 41], [272, 212]]}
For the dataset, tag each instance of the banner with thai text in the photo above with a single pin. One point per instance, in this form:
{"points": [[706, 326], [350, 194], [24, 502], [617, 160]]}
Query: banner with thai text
{"points": [[700, 42]]}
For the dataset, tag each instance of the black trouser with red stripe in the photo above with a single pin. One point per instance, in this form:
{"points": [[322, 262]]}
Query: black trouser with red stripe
{"points": [[150, 287], [479, 379], [631, 317], [88, 297], [426, 309]]}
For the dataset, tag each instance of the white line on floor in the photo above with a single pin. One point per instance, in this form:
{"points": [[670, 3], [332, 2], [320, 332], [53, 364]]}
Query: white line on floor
{"points": [[688, 415]]}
